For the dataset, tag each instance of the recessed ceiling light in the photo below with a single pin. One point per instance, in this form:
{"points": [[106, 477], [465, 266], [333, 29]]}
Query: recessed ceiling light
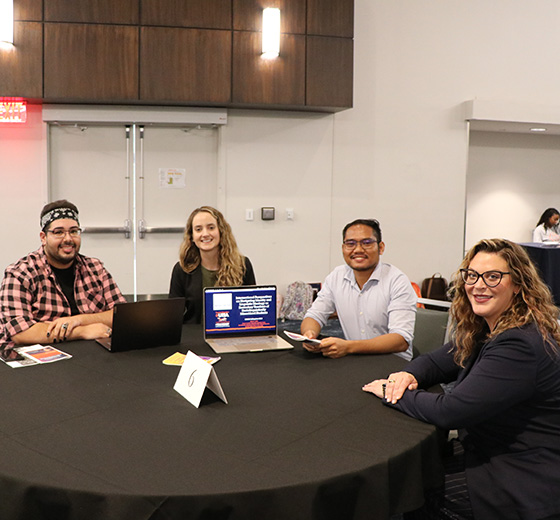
{"points": [[538, 129]]}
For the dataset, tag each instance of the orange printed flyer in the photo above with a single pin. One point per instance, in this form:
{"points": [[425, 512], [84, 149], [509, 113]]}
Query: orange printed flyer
{"points": [[43, 353]]}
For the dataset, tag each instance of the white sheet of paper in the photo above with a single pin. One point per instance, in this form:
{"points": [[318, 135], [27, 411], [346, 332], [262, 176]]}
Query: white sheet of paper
{"points": [[195, 375], [298, 337]]}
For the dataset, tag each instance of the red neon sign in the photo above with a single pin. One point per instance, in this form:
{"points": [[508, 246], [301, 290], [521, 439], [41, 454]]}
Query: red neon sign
{"points": [[13, 111]]}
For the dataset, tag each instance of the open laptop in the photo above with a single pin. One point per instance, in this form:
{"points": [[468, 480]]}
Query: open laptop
{"points": [[145, 324], [241, 319]]}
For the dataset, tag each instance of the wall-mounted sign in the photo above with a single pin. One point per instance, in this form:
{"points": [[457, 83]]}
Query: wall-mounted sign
{"points": [[172, 178], [13, 111]]}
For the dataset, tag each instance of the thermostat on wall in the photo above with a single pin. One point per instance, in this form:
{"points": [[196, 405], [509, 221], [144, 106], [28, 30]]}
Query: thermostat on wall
{"points": [[267, 213]]}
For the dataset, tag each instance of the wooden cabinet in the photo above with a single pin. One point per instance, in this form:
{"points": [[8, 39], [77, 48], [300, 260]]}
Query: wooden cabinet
{"points": [[257, 81], [183, 52], [247, 15], [22, 71], [92, 11], [329, 72], [185, 65], [310, 73], [91, 62], [330, 18], [208, 14], [28, 10]]}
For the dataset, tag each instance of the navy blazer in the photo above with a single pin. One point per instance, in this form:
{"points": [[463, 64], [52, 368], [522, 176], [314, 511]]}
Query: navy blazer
{"points": [[506, 406], [189, 285]]}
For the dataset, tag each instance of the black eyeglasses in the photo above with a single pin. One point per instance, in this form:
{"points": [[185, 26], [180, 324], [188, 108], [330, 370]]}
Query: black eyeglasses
{"points": [[490, 278], [366, 243], [61, 233]]}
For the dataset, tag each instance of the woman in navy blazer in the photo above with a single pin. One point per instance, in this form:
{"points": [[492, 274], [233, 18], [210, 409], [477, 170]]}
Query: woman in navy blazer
{"points": [[505, 360]]}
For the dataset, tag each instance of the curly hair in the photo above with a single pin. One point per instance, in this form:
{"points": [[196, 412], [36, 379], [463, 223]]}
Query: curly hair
{"points": [[532, 304], [232, 262]]}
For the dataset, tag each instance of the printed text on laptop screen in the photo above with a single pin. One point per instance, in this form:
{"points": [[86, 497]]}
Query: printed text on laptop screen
{"points": [[240, 310]]}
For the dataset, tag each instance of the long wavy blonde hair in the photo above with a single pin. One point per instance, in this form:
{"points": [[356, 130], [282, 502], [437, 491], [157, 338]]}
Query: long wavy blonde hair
{"points": [[232, 262], [532, 304]]}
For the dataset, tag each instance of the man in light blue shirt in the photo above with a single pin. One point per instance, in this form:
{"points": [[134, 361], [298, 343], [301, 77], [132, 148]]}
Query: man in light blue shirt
{"points": [[374, 301]]}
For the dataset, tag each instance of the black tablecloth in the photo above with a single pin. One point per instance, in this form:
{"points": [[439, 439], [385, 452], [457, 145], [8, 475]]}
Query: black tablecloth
{"points": [[547, 260], [105, 436]]}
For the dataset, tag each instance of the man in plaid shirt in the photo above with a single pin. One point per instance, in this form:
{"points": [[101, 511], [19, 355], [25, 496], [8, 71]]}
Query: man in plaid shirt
{"points": [[55, 294]]}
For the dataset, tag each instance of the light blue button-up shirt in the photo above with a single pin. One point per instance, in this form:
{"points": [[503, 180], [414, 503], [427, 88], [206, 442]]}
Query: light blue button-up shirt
{"points": [[385, 304]]}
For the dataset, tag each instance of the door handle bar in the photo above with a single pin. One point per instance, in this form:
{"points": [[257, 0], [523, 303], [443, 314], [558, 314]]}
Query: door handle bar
{"points": [[126, 229], [143, 229]]}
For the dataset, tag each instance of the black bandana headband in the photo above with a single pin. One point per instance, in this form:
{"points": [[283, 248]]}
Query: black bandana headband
{"points": [[56, 214]]}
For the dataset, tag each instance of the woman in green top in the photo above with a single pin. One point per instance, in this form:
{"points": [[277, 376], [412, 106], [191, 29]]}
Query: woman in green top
{"points": [[208, 257]]}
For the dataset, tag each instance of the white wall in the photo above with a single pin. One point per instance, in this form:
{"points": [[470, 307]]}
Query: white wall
{"points": [[399, 155], [23, 192], [404, 145], [283, 161]]}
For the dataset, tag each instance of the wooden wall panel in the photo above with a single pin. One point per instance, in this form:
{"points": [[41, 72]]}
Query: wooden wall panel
{"points": [[92, 11], [247, 15], [276, 82], [200, 52], [186, 65], [28, 10], [22, 64], [91, 62], [329, 72], [210, 14], [330, 18]]}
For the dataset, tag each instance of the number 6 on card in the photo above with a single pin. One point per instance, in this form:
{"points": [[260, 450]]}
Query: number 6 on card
{"points": [[195, 375]]}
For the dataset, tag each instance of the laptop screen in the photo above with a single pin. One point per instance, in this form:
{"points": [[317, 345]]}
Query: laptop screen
{"points": [[245, 311]]}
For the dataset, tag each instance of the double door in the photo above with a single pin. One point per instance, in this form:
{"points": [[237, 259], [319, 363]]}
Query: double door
{"points": [[134, 186]]}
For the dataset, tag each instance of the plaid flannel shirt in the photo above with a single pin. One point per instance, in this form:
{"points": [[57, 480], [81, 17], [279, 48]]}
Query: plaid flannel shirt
{"points": [[30, 293]]}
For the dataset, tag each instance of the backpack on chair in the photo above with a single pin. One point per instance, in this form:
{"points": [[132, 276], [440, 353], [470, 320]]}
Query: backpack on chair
{"points": [[435, 288], [299, 297]]}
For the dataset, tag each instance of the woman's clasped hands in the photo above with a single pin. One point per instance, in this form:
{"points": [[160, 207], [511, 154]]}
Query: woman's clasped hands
{"points": [[392, 388]]}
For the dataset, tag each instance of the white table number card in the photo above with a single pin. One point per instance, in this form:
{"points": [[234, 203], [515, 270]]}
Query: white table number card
{"points": [[195, 375]]}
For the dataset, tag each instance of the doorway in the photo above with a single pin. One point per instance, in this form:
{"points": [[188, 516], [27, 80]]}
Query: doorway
{"points": [[134, 185]]}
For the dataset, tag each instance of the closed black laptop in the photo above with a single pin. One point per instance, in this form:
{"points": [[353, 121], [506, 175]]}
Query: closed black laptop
{"points": [[145, 324]]}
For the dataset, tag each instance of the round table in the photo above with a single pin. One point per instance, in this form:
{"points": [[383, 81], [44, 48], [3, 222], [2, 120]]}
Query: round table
{"points": [[105, 436]]}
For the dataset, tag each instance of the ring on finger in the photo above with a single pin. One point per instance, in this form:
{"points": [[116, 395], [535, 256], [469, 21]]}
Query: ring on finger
{"points": [[391, 381], [65, 326]]}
